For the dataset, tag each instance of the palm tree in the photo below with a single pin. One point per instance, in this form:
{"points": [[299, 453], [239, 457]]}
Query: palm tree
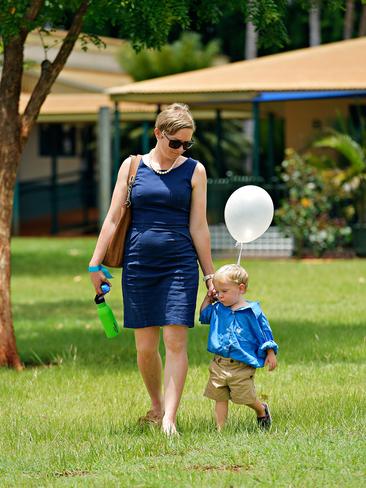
{"points": [[350, 176], [362, 26], [314, 24], [348, 19]]}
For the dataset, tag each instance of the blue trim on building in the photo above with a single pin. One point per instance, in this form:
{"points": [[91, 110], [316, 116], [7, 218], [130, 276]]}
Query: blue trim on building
{"points": [[306, 95]]}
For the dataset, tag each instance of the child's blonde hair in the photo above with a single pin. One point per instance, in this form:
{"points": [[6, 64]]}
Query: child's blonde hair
{"points": [[175, 117], [232, 272]]}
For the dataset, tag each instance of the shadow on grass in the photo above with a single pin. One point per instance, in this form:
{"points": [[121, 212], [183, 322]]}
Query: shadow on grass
{"points": [[299, 342], [55, 333], [47, 343]]}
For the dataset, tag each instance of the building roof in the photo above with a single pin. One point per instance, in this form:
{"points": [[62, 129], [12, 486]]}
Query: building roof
{"points": [[78, 107], [94, 58], [73, 80], [334, 66], [91, 70], [84, 107]]}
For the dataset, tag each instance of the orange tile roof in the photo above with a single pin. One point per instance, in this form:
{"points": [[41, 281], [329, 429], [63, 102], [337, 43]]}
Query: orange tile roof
{"points": [[84, 107], [335, 66]]}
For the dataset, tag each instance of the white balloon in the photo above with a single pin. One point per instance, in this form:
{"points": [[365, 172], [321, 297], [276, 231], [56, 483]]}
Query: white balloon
{"points": [[248, 213]]}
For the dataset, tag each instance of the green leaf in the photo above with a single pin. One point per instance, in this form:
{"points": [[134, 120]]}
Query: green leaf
{"points": [[349, 148]]}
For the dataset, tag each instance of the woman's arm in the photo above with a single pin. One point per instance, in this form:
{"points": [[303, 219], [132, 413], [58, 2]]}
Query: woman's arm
{"points": [[110, 222], [198, 226]]}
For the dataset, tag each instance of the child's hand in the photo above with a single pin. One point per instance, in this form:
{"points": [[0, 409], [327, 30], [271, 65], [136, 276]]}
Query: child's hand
{"points": [[271, 360], [212, 296], [211, 292]]}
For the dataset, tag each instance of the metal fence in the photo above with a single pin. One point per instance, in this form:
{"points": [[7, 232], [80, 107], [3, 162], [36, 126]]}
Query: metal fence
{"points": [[220, 189]]}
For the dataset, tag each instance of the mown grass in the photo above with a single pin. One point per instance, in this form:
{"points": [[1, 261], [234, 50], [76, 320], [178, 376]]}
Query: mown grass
{"points": [[69, 419]]}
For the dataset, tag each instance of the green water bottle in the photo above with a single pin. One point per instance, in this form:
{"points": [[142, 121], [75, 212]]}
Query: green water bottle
{"points": [[107, 317]]}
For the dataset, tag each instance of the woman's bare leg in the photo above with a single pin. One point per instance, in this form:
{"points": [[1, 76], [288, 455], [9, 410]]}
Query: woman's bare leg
{"points": [[176, 366], [150, 366]]}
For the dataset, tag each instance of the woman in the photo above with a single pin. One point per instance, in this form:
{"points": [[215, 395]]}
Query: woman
{"points": [[168, 233]]}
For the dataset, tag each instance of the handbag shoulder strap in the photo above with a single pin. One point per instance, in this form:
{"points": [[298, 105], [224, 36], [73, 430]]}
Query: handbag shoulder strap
{"points": [[133, 166], [135, 160]]}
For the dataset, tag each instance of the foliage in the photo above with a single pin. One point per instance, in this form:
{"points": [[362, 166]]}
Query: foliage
{"points": [[69, 419], [147, 23], [307, 212], [185, 54], [348, 174], [188, 53], [234, 147]]}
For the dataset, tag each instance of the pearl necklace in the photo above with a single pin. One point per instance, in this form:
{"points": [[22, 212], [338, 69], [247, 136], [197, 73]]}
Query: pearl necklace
{"points": [[161, 171]]}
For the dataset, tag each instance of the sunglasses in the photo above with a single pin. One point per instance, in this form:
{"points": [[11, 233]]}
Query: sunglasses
{"points": [[176, 143]]}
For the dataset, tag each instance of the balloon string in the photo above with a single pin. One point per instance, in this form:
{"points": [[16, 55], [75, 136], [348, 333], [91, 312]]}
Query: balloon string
{"points": [[241, 249]]}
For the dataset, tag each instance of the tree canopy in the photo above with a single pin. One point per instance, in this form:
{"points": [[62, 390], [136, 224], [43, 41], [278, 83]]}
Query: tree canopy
{"points": [[186, 54], [146, 23]]}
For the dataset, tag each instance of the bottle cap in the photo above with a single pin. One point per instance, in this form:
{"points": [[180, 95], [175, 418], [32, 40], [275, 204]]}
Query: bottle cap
{"points": [[105, 288]]}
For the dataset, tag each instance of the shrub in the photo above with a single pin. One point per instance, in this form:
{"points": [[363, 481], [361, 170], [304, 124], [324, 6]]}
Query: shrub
{"points": [[307, 213]]}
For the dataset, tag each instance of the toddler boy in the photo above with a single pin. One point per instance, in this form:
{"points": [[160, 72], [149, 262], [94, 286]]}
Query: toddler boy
{"points": [[241, 339]]}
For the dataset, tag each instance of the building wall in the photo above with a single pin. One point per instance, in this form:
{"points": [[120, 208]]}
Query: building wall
{"points": [[33, 166], [39, 194], [305, 119]]}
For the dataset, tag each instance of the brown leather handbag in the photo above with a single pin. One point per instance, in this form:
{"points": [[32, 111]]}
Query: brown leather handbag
{"points": [[114, 255]]}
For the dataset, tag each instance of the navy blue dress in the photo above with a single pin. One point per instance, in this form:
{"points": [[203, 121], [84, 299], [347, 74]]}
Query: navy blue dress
{"points": [[160, 270]]}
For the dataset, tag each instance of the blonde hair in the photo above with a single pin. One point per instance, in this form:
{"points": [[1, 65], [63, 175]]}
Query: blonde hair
{"points": [[232, 272], [175, 117]]}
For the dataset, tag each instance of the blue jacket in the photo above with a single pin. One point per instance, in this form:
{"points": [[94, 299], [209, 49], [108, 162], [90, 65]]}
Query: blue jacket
{"points": [[243, 334]]}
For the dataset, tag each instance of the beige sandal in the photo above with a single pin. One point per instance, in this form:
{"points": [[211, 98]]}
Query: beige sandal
{"points": [[151, 418]]}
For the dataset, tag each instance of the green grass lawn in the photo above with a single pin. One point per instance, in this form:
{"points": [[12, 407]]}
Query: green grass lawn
{"points": [[70, 418]]}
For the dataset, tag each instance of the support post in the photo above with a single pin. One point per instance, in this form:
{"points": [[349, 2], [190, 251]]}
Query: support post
{"points": [[219, 153], [270, 146], [145, 137], [16, 210], [256, 139], [55, 134], [104, 162], [54, 194], [116, 143]]}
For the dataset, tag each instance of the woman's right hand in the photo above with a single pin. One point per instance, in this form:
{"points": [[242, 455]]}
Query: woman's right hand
{"points": [[97, 278]]}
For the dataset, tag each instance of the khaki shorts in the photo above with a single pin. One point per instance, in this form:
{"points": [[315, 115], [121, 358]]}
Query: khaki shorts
{"points": [[231, 380]]}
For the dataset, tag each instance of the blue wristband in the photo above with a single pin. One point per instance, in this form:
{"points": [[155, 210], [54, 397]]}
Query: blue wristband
{"points": [[93, 269], [99, 267]]}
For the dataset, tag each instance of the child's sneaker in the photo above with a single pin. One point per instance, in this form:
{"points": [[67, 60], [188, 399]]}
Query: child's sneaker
{"points": [[265, 422]]}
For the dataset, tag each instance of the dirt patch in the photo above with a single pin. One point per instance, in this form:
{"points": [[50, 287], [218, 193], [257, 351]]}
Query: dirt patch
{"points": [[68, 473], [232, 468]]}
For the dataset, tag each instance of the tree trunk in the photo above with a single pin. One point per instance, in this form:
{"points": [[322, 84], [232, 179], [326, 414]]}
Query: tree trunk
{"points": [[314, 24], [251, 50], [10, 151], [14, 132], [9, 162], [251, 38], [348, 19], [362, 26]]}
